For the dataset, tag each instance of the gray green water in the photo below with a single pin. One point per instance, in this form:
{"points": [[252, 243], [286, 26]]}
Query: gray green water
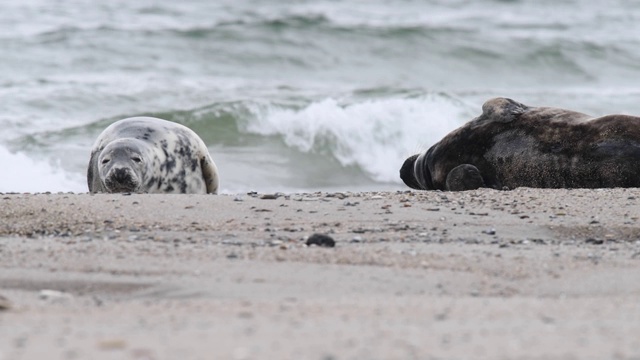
{"points": [[302, 96]]}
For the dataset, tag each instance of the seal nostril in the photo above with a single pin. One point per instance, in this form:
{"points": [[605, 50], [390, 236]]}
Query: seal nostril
{"points": [[120, 175]]}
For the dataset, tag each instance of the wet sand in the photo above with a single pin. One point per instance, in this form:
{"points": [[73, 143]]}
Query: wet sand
{"points": [[522, 274]]}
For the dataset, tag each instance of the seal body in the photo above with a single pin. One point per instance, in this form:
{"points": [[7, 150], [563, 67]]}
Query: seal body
{"points": [[511, 145], [150, 155]]}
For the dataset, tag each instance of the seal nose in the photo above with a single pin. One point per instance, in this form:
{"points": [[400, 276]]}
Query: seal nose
{"points": [[121, 180], [121, 175]]}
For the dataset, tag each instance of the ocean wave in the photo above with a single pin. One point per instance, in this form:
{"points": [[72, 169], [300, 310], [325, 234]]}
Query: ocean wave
{"points": [[196, 18], [374, 135], [29, 175], [58, 24]]}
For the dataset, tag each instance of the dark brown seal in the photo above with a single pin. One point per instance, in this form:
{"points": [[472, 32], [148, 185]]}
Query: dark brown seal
{"points": [[512, 145]]}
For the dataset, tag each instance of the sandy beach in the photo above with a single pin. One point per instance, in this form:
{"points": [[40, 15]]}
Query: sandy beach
{"points": [[521, 274]]}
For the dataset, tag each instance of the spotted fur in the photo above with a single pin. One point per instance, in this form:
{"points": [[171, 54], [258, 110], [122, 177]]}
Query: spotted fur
{"points": [[150, 155]]}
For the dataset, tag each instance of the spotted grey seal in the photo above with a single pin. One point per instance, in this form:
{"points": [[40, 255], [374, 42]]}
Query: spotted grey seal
{"points": [[511, 145], [150, 155]]}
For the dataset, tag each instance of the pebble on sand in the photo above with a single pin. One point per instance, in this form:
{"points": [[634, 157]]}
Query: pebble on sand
{"points": [[5, 304], [321, 240]]}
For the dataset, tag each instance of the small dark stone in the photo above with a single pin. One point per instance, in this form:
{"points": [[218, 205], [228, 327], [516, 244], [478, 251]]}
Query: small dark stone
{"points": [[321, 240], [594, 241], [270, 196], [5, 304]]}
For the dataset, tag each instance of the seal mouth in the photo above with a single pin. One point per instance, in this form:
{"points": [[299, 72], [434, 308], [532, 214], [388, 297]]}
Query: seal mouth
{"points": [[121, 180], [407, 173]]}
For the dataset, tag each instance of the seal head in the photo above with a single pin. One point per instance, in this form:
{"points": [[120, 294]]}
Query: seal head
{"points": [[407, 174], [122, 166]]}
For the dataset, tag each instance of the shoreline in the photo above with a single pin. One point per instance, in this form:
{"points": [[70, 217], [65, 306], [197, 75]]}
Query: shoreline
{"points": [[524, 273]]}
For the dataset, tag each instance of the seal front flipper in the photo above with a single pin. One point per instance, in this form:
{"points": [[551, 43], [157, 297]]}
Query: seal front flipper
{"points": [[502, 110], [210, 174], [464, 177]]}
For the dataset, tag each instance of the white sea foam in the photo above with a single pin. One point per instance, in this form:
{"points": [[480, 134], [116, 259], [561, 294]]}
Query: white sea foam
{"points": [[376, 135], [23, 174]]}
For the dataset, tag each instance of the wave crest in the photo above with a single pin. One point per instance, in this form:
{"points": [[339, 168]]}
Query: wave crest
{"points": [[375, 135], [28, 175]]}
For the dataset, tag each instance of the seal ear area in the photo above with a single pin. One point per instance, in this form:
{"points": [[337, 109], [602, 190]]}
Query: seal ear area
{"points": [[464, 177], [502, 110], [407, 173]]}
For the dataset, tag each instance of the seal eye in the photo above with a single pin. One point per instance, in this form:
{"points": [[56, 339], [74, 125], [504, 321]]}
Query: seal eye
{"points": [[136, 159], [104, 161]]}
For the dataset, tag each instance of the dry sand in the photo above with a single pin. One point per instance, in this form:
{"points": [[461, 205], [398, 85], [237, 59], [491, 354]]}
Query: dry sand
{"points": [[522, 274]]}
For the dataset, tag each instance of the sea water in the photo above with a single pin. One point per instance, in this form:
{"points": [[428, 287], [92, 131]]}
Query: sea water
{"points": [[295, 96]]}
